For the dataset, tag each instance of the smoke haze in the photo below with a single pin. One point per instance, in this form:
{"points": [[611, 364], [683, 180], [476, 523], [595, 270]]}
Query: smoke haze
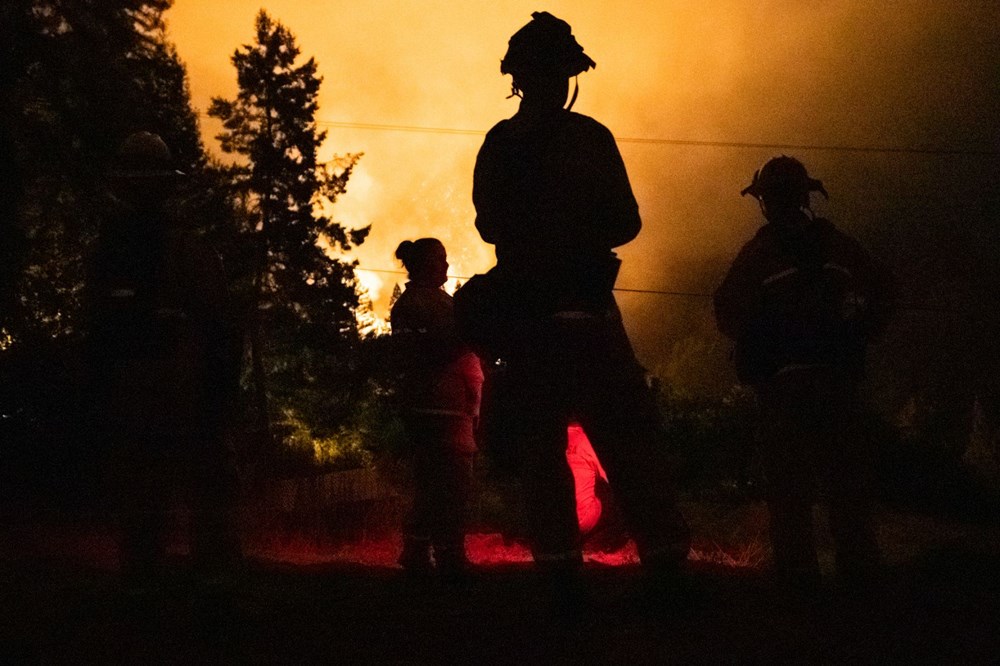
{"points": [[911, 74]]}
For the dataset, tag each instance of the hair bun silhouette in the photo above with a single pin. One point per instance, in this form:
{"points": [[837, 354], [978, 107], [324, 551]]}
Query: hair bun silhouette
{"points": [[545, 46], [413, 253], [405, 252]]}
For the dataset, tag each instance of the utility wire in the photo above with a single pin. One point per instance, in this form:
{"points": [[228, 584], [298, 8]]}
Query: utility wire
{"points": [[634, 291], [912, 150], [686, 142], [400, 128], [905, 307]]}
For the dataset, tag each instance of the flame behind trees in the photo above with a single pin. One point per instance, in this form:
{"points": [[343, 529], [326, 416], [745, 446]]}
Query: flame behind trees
{"points": [[301, 301]]}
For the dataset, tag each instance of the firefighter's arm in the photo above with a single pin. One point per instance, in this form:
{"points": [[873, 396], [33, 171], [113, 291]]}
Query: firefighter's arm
{"points": [[405, 329], [886, 298], [422, 337], [223, 335], [882, 291], [472, 372], [737, 300], [486, 194], [438, 345], [618, 211]]}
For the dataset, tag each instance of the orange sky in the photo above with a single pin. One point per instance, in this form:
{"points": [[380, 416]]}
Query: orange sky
{"points": [[844, 72]]}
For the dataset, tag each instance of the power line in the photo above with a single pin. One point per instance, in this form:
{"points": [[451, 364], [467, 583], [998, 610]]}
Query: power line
{"points": [[400, 128], [903, 307], [380, 127], [659, 292], [746, 145], [632, 291]]}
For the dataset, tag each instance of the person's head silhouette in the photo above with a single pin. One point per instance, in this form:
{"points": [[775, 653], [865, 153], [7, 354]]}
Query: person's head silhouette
{"points": [[426, 261], [144, 175], [782, 186], [541, 57]]}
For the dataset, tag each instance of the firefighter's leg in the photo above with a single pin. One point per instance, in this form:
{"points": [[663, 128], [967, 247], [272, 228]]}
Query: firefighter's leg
{"points": [[550, 496], [791, 531], [538, 419], [550, 508], [609, 534], [790, 480], [850, 480], [142, 526], [143, 505], [416, 555], [541, 383], [215, 539], [620, 417], [449, 536]]}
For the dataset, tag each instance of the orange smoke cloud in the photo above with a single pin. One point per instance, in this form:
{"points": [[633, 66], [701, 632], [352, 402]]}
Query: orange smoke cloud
{"points": [[843, 72]]}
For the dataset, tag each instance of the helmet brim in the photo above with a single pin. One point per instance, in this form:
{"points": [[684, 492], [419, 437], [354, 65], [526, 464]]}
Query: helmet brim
{"points": [[545, 45], [811, 185]]}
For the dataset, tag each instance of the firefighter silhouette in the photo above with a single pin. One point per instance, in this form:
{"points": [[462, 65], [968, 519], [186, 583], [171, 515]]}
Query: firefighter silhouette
{"points": [[802, 301], [552, 195], [165, 368], [440, 394]]}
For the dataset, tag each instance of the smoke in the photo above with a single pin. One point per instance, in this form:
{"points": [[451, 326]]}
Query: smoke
{"points": [[919, 74]]}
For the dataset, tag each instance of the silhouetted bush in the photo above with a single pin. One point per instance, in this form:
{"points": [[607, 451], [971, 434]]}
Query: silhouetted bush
{"points": [[49, 451], [712, 442], [922, 465]]}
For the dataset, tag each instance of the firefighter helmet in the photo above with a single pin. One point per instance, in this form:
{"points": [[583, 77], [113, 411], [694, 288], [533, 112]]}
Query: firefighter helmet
{"points": [[144, 155], [545, 46], [783, 176]]}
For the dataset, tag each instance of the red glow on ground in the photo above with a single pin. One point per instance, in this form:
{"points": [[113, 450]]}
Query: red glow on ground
{"points": [[487, 550], [97, 548], [484, 550]]}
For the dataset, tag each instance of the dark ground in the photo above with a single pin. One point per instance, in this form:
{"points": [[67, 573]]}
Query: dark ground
{"points": [[938, 604]]}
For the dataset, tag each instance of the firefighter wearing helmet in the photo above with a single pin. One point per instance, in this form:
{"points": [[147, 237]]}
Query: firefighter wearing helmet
{"points": [[802, 301], [164, 365], [552, 195]]}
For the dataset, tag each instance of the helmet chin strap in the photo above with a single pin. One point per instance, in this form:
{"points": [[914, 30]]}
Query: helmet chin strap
{"points": [[576, 91], [805, 210]]}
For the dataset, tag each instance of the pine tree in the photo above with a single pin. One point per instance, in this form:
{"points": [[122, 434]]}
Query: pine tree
{"points": [[396, 293], [302, 301], [78, 76]]}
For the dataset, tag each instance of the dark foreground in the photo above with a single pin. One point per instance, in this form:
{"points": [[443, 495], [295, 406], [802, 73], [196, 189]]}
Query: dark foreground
{"points": [[942, 608]]}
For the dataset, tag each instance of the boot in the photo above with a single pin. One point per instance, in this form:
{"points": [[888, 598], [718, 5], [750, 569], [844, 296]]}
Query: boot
{"points": [[452, 563], [416, 556]]}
